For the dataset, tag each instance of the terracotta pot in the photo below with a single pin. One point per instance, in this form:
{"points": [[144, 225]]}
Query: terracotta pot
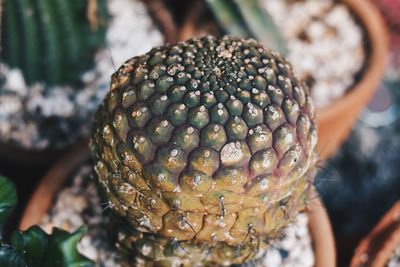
{"points": [[52, 183], [54, 180], [377, 247], [336, 120]]}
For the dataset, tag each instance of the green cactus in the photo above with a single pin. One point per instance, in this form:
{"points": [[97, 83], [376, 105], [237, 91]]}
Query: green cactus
{"points": [[49, 40], [217, 171], [34, 247]]}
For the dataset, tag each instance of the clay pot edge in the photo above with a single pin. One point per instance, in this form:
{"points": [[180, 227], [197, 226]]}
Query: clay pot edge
{"points": [[375, 249], [336, 120]]}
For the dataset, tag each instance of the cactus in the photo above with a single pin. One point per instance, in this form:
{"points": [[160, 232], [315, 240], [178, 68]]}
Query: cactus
{"points": [[204, 151], [50, 40]]}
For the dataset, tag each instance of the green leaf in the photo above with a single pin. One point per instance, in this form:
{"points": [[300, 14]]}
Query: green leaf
{"points": [[32, 244], [8, 199], [261, 25], [62, 250], [33, 247], [9, 257], [59, 249], [229, 17]]}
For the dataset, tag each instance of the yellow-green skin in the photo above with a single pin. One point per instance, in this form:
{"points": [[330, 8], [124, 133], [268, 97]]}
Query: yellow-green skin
{"points": [[205, 151]]}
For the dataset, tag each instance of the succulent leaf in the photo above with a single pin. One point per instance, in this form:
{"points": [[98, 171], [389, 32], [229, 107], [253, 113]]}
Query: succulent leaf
{"points": [[246, 18], [34, 247], [62, 249], [8, 199], [228, 15], [9, 257], [58, 249], [261, 25], [32, 244]]}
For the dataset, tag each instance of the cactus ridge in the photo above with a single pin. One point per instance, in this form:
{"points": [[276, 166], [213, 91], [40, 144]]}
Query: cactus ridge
{"points": [[31, 52], [11, 49], [50, 40]]}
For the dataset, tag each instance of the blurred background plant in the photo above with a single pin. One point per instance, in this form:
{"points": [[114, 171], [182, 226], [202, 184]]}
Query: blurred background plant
{"points": [[50, 40], [47, 46], [56, 61], [247, 19]]}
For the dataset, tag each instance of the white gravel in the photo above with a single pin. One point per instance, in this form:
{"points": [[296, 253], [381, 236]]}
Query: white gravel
{"points": [[78, 204], [395, 259], [293, 250], [37, 117], [325, 44]]}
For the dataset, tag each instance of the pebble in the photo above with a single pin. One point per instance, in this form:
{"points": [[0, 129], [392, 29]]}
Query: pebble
{"points": [[36, 117], [325, 44], [394, 261], [293, 250], [77, 204]]}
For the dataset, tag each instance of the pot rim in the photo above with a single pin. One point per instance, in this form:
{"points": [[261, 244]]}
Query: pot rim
{"points": [[321, 234], [376, 248], [51, 184], [42, 198], [377, 37]]}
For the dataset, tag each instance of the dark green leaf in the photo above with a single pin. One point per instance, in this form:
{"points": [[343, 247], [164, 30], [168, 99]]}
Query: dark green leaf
{"points": [[32, 244], [9, 257], [62, 250], [229, 17], [261, 25], [8, 199], [33, 247], [59, 249]]}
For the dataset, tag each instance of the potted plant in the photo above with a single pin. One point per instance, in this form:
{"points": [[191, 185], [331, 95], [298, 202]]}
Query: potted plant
{"points": [[189, 172], [337, 47], [57, 57]]}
